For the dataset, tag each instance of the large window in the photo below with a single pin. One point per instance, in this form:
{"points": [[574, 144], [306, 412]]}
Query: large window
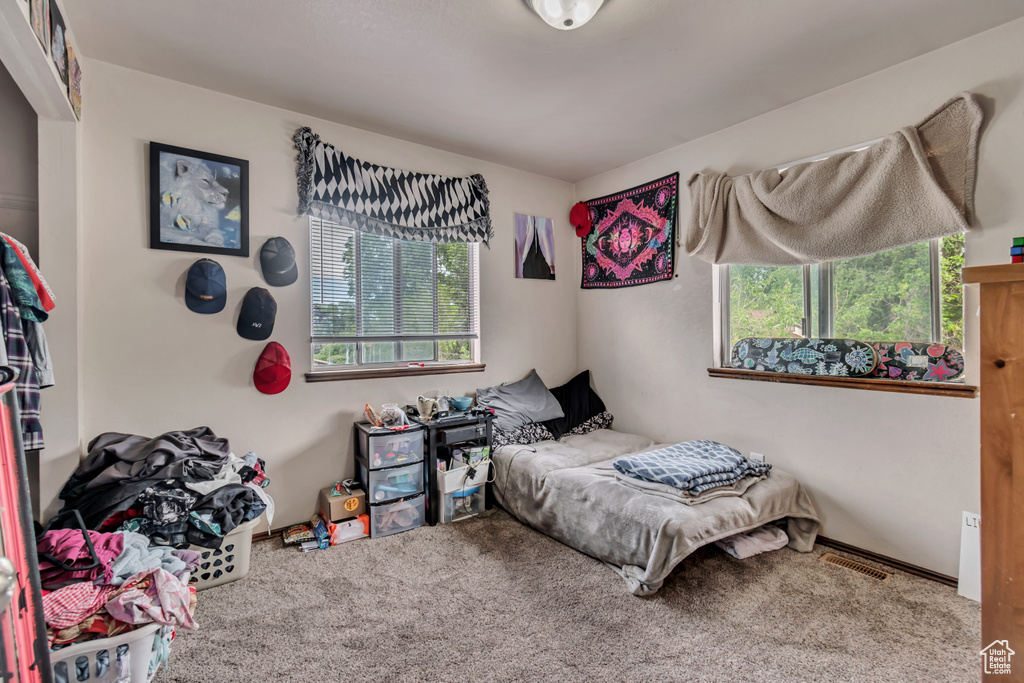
{"points": [[912, 293], [379, 301]]}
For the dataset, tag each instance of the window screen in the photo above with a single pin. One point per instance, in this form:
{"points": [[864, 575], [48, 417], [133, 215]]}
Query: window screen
{"points": [[378, 299]]}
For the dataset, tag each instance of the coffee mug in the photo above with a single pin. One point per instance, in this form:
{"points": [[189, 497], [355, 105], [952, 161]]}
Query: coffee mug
{"points": [[427, 407]]}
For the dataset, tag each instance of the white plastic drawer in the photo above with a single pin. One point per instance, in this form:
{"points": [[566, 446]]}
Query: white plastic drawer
{"points": [[391, 450], [463, 504], [393, 518], [386, 485]]}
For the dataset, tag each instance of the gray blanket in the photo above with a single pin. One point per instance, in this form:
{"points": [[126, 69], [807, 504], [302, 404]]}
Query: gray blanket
{"points": [[913, 185], [567, 490]]}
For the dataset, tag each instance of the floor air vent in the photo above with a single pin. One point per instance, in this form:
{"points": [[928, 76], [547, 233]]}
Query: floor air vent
{"points": [[856, 566]]}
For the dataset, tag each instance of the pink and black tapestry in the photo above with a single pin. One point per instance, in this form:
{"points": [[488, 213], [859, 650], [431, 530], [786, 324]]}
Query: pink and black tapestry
{"points": [[632, 238]]}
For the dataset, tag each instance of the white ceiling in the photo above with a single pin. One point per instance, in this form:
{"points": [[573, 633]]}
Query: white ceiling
{"points": [[489, 79]]}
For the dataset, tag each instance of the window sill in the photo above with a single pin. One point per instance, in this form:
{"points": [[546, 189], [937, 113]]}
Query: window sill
{"points": [[374, 373], [931, 388]]}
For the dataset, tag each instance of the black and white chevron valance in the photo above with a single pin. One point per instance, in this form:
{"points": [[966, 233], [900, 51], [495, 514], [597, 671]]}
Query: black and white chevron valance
{"points": [[388, 201]]}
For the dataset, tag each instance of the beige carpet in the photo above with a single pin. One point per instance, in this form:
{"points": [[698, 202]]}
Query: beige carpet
{"points": [[492, 600]]}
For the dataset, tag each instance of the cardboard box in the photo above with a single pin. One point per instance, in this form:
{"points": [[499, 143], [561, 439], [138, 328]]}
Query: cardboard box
{"points": [[337, 508]]}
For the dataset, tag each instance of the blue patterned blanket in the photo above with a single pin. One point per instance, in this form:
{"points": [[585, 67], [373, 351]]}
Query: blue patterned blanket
{"points": [[692, 466]]}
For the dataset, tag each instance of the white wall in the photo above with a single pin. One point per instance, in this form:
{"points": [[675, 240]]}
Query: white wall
{"points": [[888, 472], [151, 365]]}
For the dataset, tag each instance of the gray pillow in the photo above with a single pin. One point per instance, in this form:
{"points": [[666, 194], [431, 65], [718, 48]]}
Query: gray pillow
{"points": [[515, 404]]}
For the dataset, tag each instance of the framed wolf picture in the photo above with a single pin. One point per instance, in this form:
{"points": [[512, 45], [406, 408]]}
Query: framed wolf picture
{"points": [[198, 201]]}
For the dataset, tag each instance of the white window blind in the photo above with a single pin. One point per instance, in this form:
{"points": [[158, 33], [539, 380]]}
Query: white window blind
{"points": [[379, 292]]}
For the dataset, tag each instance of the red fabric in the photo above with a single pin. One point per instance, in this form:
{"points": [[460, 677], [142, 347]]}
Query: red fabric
{"points": [[30, 268], [74, 604], [68, 546], [115, 521]]}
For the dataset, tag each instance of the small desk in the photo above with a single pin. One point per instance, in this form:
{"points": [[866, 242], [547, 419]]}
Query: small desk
{"points": [[459, 429]]}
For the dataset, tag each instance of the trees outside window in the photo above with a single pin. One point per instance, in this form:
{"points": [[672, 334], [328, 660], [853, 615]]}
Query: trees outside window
{"points": [[913, 293], [377, 300]]}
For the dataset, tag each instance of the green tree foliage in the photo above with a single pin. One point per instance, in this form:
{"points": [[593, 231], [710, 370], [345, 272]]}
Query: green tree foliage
{"points": [[765, 301], [428, 274], [951, 264], [884, 296], [879, 297]]}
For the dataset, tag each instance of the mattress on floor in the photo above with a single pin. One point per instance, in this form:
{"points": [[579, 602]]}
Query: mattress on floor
{"points": [[567, 490]]}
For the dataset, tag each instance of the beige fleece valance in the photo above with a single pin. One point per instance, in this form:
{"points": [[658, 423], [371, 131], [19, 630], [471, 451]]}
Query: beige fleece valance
{"points": [[913, 185]]}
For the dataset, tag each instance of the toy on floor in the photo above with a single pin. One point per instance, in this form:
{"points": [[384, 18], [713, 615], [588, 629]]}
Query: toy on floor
{"points": [[1017, 250]]}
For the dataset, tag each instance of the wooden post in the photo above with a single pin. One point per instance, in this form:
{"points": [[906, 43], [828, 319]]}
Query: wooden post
{"points": [[1002, 459]]}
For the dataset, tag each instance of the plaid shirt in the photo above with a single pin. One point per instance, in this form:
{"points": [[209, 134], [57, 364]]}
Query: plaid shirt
{"points": [[26, 386], [74, 604]]}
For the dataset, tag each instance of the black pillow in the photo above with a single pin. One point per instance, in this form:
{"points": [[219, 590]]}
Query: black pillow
{"points": [[579, 403]]}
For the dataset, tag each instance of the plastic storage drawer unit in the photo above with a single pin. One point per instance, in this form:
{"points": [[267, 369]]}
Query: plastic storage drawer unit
{"points": [[393, 518], [382, 449], [382, 486]]}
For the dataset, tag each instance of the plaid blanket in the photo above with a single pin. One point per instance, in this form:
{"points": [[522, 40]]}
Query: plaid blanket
{"points": [[691, 466]]}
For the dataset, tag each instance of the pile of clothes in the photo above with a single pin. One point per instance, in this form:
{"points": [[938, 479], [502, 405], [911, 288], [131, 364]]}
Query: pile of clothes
{"points": [[178, 489], [691, 472], [119, 584], [142, 503]]}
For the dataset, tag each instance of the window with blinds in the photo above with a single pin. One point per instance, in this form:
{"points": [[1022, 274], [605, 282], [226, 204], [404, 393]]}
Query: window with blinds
{"points": [[379, 300]]}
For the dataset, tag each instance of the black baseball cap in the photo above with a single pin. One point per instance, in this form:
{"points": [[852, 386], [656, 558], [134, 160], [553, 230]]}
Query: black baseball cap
{"points": [[256, 321], [277, 259], [206, 288]]}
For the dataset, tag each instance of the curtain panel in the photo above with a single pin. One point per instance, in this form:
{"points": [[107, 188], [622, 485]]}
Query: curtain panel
{"points": [[388, 201], [913, 185]]}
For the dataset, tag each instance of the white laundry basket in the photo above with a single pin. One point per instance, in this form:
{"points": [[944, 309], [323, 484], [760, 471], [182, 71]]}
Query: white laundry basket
{"points": [[64, 663], [229, 562]]}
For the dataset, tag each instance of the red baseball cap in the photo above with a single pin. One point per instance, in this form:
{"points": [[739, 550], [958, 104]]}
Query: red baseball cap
{"points": [[579, 216], [273, 369]]}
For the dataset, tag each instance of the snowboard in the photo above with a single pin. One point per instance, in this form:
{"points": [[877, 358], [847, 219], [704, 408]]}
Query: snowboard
{"points": [[831, 357], [917, 361]]}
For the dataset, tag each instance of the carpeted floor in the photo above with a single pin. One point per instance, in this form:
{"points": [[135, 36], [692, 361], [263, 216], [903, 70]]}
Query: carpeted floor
{"points": [[492, 600]]}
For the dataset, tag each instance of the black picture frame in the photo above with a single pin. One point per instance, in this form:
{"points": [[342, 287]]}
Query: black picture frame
{"points": [[185, 213]]}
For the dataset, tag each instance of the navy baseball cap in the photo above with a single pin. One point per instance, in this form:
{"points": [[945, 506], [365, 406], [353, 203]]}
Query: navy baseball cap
{"points": [[206, 288], [277, 259], [256, 321]]}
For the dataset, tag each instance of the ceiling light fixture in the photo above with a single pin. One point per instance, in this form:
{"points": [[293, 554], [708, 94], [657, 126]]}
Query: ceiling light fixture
{"points": [[565, 14]]}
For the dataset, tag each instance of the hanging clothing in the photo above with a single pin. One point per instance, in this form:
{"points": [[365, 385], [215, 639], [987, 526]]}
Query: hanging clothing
{"points": [[22, 286], [35, 337], [19, 357], [26, 285], [46, 296]]}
